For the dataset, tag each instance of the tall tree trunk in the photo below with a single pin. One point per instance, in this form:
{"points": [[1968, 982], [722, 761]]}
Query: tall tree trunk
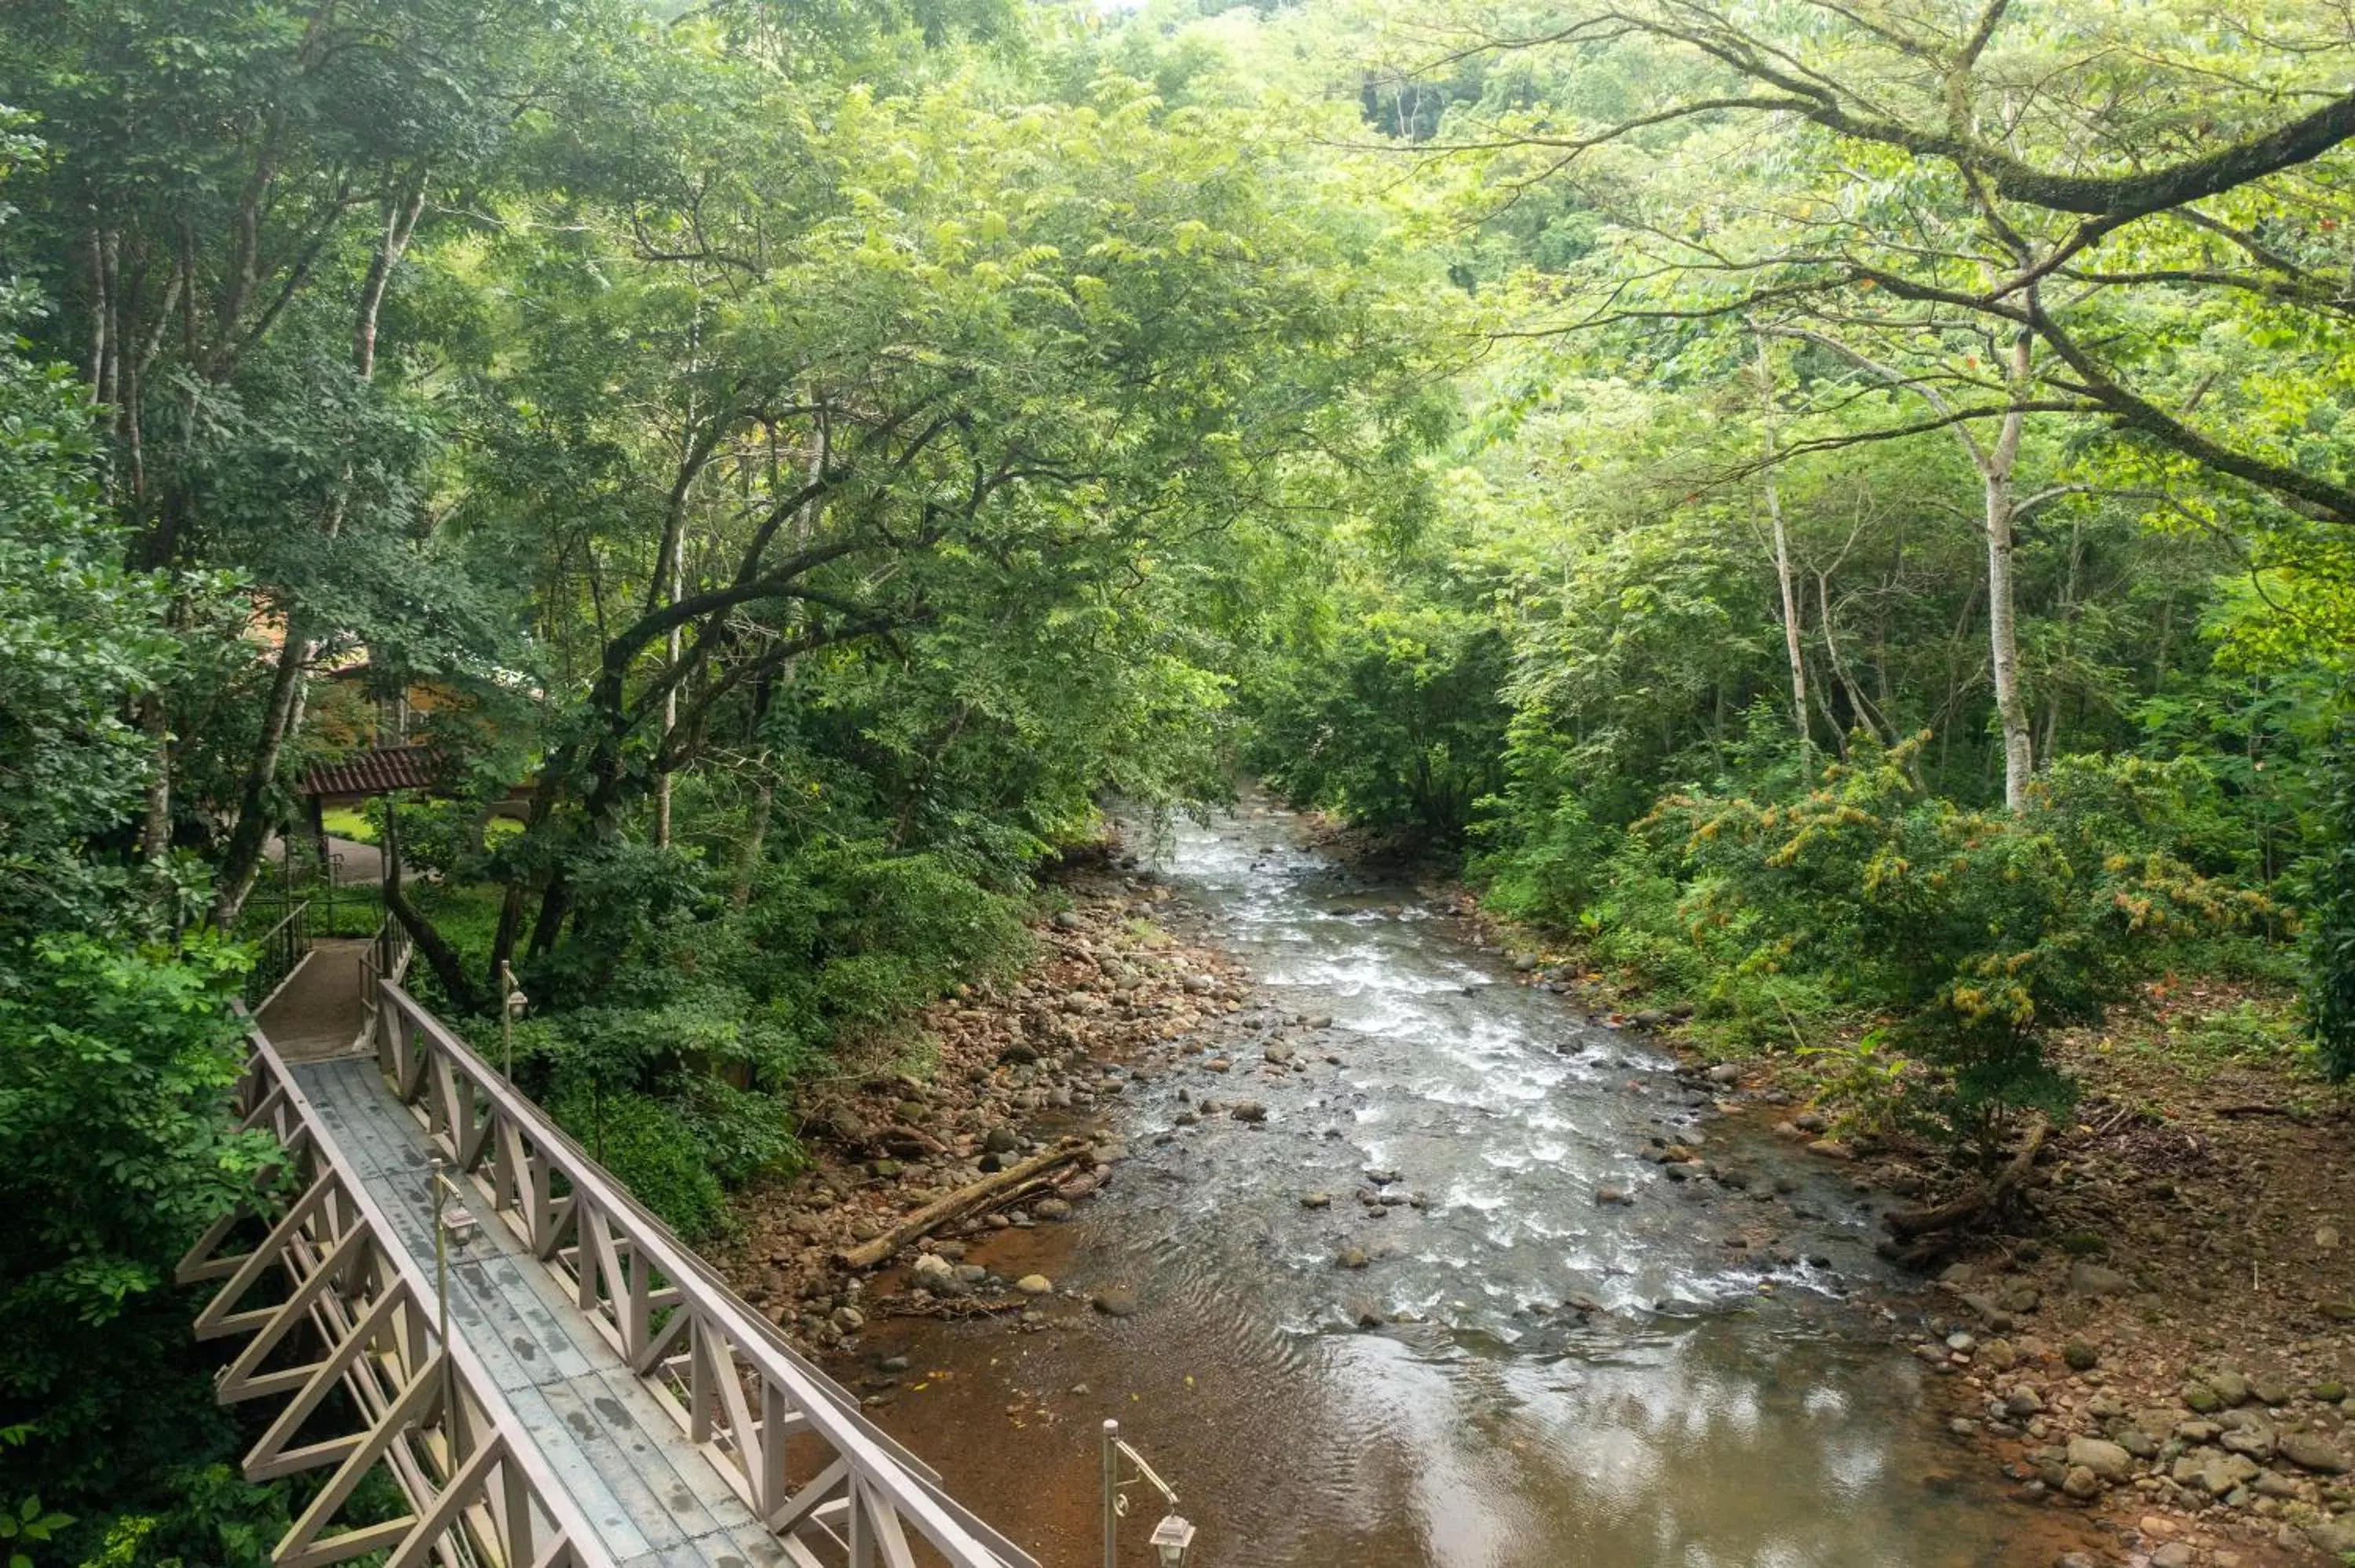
{"points": [[440, 956], [756, 834], [155, 823], [670, 715], [1783, 564], [1857, 703], [2003, 637], [242, 861]]}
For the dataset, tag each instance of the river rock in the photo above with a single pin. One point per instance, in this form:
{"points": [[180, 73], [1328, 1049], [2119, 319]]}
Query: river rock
{"points": [[1351, 1257], [1117, 1301], [2214, 1471], [2174, 1554], [1034, 1284], [2081, 1483], [1610, 1195], [1065, 920], [2106, 1460], [2229, 1386], [1279, 1052], [1317, 1199], [1051, 1209], [2334, 1535], [1248, 1110], [2310, 1451], [1725, 1073], [1001, 1141], [2086, 1278]]}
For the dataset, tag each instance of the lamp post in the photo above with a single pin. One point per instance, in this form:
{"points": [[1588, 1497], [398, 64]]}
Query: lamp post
{"points": [[1171, 1537], [512, 1002]]}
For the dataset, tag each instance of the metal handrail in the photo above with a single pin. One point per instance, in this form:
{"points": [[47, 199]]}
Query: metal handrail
{"points": [[428, 1408], [386, 958], [676, 1321], [283, 947]]}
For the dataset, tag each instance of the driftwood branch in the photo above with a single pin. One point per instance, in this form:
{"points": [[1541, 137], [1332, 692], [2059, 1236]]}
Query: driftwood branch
{"points": [[974, 1198], [1907, 1223]]}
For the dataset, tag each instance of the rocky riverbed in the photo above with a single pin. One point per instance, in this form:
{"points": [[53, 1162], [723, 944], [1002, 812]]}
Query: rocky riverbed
{"points": [[1461, 1235]]}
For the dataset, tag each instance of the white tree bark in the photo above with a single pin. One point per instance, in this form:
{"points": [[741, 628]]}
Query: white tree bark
{"points": [[1782, 565], [1995, 464]]}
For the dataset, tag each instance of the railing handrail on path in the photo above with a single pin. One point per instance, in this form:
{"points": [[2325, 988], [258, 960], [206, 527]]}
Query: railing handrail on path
{"points": [[431, 1412], [676, 1322], [281, 952], [387, 958]]}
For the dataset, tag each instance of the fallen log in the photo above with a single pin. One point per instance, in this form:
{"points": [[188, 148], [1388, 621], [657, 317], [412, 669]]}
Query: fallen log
{"points": [[1907, 1223], [976, 1198], [962, 1307]]}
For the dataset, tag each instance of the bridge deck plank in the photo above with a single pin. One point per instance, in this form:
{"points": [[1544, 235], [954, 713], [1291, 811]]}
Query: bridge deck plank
{"points": [[653, 1497]]}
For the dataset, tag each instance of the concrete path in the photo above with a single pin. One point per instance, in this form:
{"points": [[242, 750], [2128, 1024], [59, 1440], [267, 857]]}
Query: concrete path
{"points": [[356, 864], [318, 1012]]}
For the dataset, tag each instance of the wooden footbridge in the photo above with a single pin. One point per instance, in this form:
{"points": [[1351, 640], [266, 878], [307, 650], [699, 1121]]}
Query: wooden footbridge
{"points": [[499, 1359]]}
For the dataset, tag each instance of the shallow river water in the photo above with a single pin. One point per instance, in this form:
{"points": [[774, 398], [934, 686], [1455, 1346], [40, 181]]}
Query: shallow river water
{"points": [[1704, 1405]]}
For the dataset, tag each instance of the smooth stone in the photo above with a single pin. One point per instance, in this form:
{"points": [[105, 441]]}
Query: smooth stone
{"points": [[2105, 1459], [2310, 1451]]}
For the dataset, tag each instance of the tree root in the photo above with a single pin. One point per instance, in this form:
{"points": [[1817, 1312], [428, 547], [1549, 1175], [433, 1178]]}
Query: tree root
{"points": [[1909, 1223]]}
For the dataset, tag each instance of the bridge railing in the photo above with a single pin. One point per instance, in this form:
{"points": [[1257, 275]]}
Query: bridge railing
{"points": [[330, 1302], [280, 949], [829, 1483], [387, 958]]}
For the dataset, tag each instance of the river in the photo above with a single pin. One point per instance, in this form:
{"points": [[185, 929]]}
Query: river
{"points": [[1521, 1376]]}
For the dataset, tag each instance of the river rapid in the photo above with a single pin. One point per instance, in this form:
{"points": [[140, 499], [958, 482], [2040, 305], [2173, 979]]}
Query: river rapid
{"points": [[1522, 1374]]}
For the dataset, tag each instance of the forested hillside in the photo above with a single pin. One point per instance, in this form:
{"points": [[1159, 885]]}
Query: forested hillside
{"points": [[1838, 519]]}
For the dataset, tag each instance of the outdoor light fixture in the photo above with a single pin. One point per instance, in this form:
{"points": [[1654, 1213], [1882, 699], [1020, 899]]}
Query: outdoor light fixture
{"points": [[513, 1003], [1171, 1537]]}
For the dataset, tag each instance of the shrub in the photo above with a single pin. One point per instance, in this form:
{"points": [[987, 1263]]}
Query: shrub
{"points": [[2331, 928], [1976, 932], [654, 1152]]}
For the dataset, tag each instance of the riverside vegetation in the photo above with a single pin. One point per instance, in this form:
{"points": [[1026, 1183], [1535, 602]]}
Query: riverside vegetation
{"points": [[1835, 520]]}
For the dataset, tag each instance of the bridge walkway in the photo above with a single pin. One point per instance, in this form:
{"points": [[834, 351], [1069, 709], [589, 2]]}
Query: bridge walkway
{"points": [[652, 1500], [599, 1399]]}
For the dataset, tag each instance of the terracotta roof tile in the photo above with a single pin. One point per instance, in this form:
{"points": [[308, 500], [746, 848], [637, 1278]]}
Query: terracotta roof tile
{"points": [[376, 771]]}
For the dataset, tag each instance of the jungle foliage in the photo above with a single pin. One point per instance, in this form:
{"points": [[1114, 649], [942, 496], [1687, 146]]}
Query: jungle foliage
{"points": [[1846, 523]]}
